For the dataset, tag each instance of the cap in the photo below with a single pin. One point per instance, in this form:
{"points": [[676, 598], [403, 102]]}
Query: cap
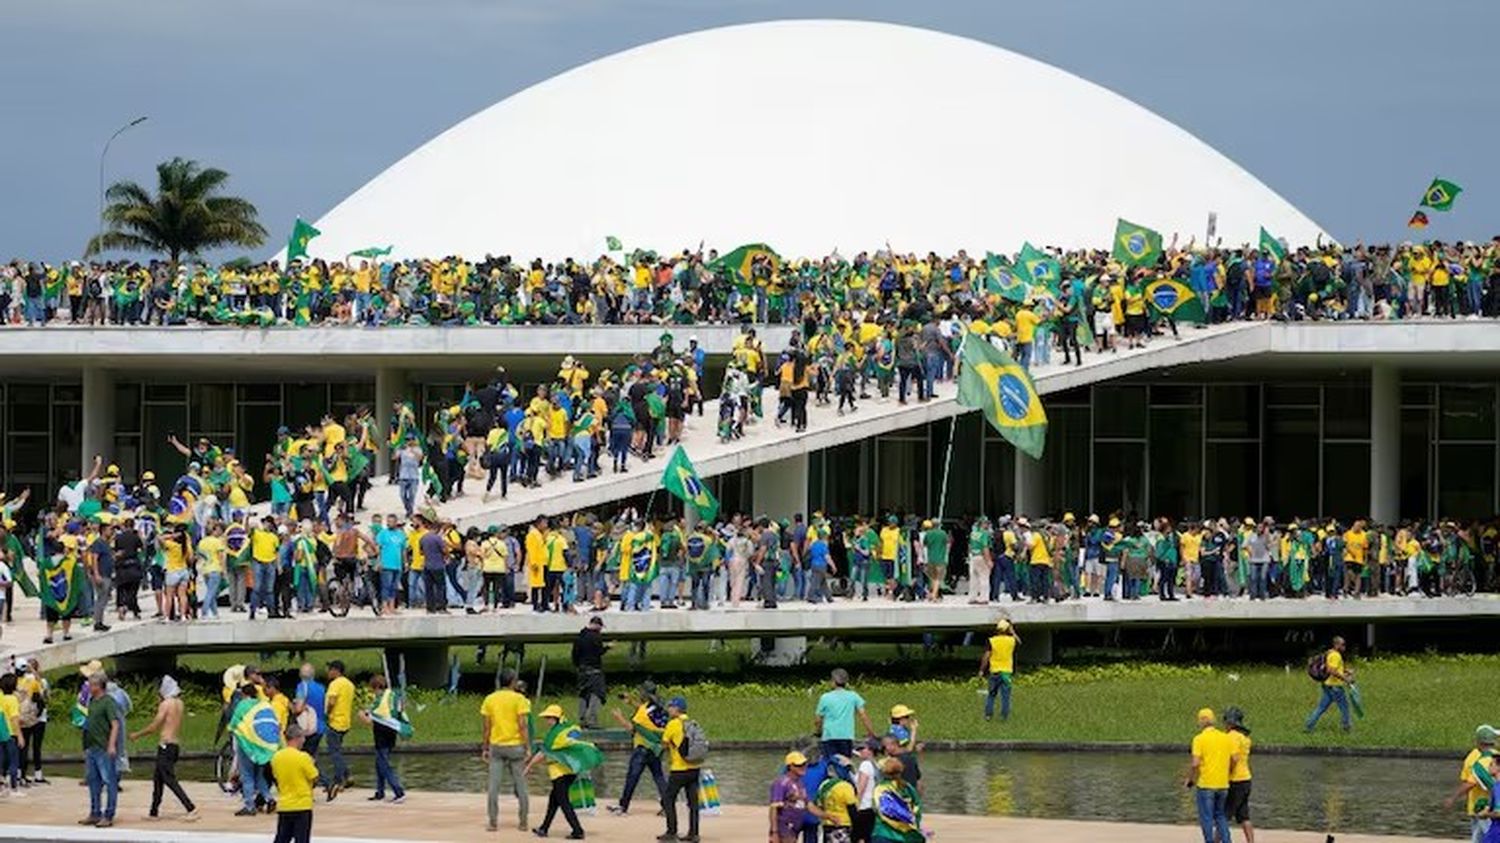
{"points": [[927, 524], [678, 703], [1486, 734], [91, 668], [796, 759], [553, 711], [1003, 625], [596, 621], [1205, 714], [148, 476], [899, 710], [1114, 522]]}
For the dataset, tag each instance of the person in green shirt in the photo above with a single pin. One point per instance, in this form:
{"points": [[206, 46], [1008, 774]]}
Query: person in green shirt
{"points": [[703, 553], [670, 561], [101, 735], [980, 561], [935, 542]]}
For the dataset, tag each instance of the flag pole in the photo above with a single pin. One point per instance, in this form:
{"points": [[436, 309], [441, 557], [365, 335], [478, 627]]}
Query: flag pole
{"points": [[952, 428]]}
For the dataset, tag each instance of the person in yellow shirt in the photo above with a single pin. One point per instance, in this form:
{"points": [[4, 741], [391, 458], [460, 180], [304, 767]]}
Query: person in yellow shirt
{"points": [[1356, 553], [536, 564], [338, 705], [996, 666], [836, 803], [212, 554], [295, 774], [890, 545], [1470, 787], [1237, 805], [561, 776], [1039, 559], [504, 739], [494, 567], [1335, 687], [1026, 322], [646, 726], [176, 550], [1208, 775], [682, 774], [557, 566], [1190, 542]]}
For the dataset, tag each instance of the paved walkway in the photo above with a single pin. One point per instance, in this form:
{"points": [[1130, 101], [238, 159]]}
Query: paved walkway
{"points": [[461, 816]]}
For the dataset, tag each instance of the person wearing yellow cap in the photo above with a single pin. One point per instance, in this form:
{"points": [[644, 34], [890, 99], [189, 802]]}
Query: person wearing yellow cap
{"points": [[556, 747], [1208, 775], [935, 543], [789, 803], [996, 665]]}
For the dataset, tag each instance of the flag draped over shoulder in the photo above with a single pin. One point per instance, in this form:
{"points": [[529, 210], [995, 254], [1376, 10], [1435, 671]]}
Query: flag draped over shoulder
{"points": [[302, 233], [683, 482], [256, 729], [61, 580], [564, 745], [1271, 246], [1173, 298], [1136, 245], [738, 261], [898, 813], [991, 381], [1440, 195], [390, 715]]}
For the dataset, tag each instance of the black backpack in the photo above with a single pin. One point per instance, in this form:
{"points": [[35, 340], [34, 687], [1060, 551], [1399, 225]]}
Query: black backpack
{"points": [[1317, 667]]}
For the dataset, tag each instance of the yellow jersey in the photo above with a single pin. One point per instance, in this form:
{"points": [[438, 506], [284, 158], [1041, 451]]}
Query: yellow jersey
{"points": [[1239, 763], [1002, 654], [505, 708], [1212, 750], [295, 773], [672, 738]]}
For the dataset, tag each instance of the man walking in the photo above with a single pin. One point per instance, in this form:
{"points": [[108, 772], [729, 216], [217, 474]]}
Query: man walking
{"points": [[101, 736], [588, 660], [167, 723], [646, 726], [1237, 806], [682, 775], [1209, 777], [309, 704], [339, 716], [1334, 686], [833, 720], [503, 741]]}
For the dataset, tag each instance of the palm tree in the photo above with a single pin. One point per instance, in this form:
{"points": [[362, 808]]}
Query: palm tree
{"points": [[186, 216]]}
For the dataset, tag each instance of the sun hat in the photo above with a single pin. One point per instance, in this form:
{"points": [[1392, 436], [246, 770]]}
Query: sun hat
{"points": [[899, 710]]}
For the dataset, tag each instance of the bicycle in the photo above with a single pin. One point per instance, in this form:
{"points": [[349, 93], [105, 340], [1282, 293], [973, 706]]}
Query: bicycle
{"points": [[344, 590], [1461, 583]]}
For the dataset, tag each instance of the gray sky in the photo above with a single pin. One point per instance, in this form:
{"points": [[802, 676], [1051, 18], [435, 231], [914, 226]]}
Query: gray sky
{"points": [[1346, 107]]}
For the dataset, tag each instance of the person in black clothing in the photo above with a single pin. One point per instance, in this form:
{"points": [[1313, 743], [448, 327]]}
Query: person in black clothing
{"points": [[588, 660], [128, 569], [644, 428]]}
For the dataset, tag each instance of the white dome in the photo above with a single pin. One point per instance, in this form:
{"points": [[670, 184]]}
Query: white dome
{"points": [[808, 135]]}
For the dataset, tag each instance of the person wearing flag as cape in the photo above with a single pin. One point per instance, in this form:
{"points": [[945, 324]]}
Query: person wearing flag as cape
{"points": [[898, 806], [387, 719], [256, 732], [62, 578], [568, 756], [646, 726]]}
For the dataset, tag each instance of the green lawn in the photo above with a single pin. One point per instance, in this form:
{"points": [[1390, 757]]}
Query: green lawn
{"points": [[1414, 702]]}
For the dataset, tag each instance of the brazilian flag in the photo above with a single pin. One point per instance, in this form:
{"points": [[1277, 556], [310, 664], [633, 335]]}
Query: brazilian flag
{"points": [[898, 813], [61, 580], [302, 234], [682, 481], [18, 572], [737, 263], [1136, 245], [1000, 279], [642, 558], [256, 730], [389, 713], [1171, 297], [1271, 246], [564, 745], [990, 380], [1039, 268], [1440, 195]]}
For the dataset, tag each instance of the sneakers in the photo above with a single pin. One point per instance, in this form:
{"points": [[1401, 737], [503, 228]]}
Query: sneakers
{"points": [[245, 812], [399, 799], [104, 823]]}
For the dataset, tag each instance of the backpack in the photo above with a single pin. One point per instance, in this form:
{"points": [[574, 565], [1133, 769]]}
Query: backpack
{"points": [[694, 748], [1317, 667]]}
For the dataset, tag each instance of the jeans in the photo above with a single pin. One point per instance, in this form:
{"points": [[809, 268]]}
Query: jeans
{"points": [[1023, 355], [671, 578], [583, 447], [1333, 582], [999, 686], [388, 580], [436, 586], [10, 762], [1167, 587], [908, 373], [408, 489], [209, 607], [817, 587], [642, 759], [306, 589], [1332, 695], [507, 760], [678, 782], [102, 781], [1478, 828], [102, 590], [1212, 818], [931, 371], [252, 779], [702, 586], [635, 596], [1111, 574], [340, 769], [1258, 589], [385, 774], [416, 588]]}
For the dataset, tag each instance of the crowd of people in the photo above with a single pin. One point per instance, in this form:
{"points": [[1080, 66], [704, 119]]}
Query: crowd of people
{"points": [[754, 284]]}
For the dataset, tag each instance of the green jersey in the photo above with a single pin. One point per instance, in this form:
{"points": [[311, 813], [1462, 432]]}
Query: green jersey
{"points": [[936, 542]]}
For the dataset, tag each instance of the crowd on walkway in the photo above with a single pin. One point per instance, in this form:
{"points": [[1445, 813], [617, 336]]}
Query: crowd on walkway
{"points": [[754, 284]]}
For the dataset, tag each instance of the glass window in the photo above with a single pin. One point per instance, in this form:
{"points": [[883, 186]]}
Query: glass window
{"points": [[1346, 412], [67, 441], [1122, 412], [305, 404], [1466, 481], [1466, 413], [257, 433], [1176, 461], [1232, 479], [127, 408], [159, 422], [963, 479], [356, 392], [166, 392], [1066, 465], [212, 408], [1176, 395], [901, 482], [1346, 479], [1292, 394], [1120, 477], [1291, 462], [27, 410], [128, 457], [845, 479], [1077, 395], [29, 459], [1416, 394], [1416, 462], [269, 392], [70, 393], [1000, 476], [1234, 412]]}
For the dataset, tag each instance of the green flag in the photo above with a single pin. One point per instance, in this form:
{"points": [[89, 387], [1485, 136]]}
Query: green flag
{"points": [[1000, 278], [682, 480], [1171, 297], [613, 244], [1136, 245], [18, 573], [302, 234], [57, 285], [564, 744], [737, 263], [366, 252], [990, 380], [1039, 268], [1440, 195], [1271, 246]]}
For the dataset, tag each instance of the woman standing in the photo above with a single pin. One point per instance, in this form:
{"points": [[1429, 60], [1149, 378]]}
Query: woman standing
{"points": [[567, 756], [898, 807]]}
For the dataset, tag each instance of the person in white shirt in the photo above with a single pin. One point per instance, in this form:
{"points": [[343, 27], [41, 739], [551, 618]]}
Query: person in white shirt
{"points": [[865, 777]]}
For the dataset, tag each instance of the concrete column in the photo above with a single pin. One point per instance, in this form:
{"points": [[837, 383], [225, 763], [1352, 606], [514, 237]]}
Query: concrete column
{"points": [[1035, 647], [391, 386], [782, 652], [780, 487], [98, 416], [1031, 486], [1385, 444], [426, 665]]}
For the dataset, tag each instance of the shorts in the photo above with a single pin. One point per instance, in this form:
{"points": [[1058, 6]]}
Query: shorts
{"points": [[176, 578], [1237, 805], [157, 576], [888, 569], [1135, 325], [1103, 322]]}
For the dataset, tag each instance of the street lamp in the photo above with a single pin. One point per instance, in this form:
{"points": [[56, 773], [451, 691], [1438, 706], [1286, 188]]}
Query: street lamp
{"points": [[132, 124]]}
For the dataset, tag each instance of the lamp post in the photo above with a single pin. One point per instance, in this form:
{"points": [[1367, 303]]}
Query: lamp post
{"points": [[102, 155]]}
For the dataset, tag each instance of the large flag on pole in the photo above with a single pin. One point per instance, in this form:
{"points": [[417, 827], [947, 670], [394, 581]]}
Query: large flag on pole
{"points": [[1271, 246], [1040, 268], [1136, 245], [1171, 297], [296, 245], [990, 380], [682, 480], [1440, 195]]}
